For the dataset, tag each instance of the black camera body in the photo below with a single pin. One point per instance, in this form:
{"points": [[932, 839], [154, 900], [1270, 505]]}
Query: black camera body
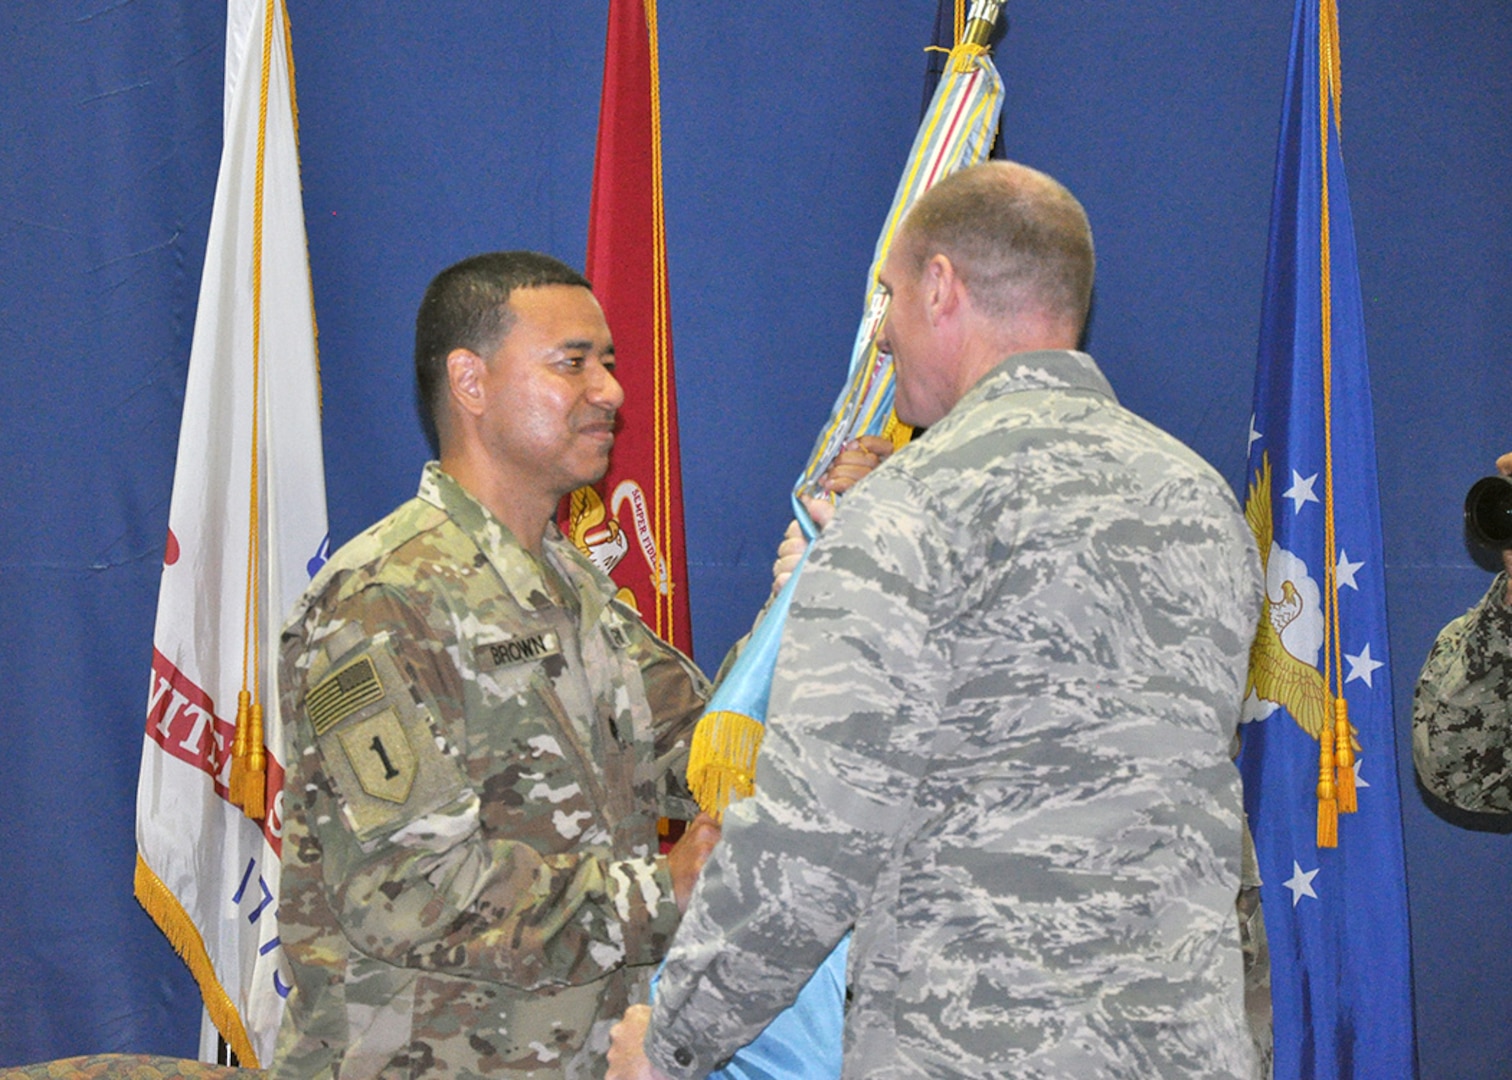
{"points": [[1488, 512]]}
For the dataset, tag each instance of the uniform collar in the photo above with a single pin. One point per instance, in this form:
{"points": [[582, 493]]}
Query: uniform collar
{"points": [[1044, 369], [520, 571]]}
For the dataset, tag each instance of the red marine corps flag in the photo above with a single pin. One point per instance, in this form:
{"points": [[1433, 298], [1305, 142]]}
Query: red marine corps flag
{"points": [[246, 531], [631, 522]]}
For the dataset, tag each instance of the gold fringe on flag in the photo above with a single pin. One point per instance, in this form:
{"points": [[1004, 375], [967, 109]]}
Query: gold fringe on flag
{"points": [[722, 759], [160, 903], [896, 431]]}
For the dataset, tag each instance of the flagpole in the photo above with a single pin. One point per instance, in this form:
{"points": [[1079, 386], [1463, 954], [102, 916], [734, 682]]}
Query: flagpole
{"points": [[981, 23]]}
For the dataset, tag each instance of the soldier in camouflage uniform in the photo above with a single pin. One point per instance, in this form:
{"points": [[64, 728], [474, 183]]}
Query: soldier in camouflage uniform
{"points": [[1462, 707], [480, 737], [997, 745]]}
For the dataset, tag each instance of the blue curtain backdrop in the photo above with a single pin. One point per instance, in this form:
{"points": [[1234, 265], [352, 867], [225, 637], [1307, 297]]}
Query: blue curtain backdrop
{"points": [[430, 133]]}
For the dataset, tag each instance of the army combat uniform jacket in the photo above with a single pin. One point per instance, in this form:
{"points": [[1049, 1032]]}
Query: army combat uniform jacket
{"points": [[997, 749], [1462, 708], [478, 750]]}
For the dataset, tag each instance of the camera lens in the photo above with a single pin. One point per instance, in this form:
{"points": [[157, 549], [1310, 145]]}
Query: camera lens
{"points": [[1488, 512]]}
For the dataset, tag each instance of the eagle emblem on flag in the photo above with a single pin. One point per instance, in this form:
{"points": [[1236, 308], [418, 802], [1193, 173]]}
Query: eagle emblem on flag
{"points": [[1283, 667]]}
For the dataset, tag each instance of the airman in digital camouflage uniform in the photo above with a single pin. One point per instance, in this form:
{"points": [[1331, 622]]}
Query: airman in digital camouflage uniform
{"points": [[1462, 707], [997, 744], [481, 738]]}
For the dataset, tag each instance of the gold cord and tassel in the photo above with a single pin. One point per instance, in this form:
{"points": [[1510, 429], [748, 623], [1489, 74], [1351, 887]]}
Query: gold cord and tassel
{"points": [[971, 36], [1328, 804], [238, 782], [254, 798], [1336, 789], [1344, 757], [966, 55], [248, 786]]}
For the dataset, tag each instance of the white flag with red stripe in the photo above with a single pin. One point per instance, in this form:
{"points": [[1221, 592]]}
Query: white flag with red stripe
{"points": [[247, 530]]}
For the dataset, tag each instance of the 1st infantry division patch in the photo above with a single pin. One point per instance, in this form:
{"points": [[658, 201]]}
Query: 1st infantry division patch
{"points": [[380, 755]]}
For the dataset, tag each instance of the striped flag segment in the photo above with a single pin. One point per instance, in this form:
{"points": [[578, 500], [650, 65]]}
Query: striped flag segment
{"points": [[958, 129]]}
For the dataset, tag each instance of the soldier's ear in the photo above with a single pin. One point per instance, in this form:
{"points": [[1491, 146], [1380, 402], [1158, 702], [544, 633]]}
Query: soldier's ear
{"points": [[940, 286], [464, 377]]}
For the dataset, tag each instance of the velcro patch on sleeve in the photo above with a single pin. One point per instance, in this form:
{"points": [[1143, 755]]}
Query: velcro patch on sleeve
{"points": [[380, 755], [342, 693], [517, 650], [379, 740]]}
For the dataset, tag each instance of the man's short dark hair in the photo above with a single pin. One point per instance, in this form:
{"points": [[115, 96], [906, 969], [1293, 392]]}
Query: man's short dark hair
{"points": [[466, 306], [1017, 237]]}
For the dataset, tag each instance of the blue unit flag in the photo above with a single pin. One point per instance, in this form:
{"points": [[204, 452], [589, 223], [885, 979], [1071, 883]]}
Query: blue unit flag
{"points": [[1320, 780]]}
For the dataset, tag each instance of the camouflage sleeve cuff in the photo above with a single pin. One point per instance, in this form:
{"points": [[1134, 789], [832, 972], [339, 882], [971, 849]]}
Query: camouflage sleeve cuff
{"points": [[671, 1056]]}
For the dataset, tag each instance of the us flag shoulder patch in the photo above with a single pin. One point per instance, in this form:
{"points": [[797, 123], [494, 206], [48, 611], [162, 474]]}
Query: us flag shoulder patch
{"points": [[342, 693]]}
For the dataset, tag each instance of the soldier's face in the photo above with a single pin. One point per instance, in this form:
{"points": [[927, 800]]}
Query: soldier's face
{"points": [[552, 393]]}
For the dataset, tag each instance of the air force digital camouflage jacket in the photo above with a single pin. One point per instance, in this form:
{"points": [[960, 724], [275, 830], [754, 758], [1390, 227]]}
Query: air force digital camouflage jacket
{"points": [[1462, 708], [998, 749], [470, 869]]}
